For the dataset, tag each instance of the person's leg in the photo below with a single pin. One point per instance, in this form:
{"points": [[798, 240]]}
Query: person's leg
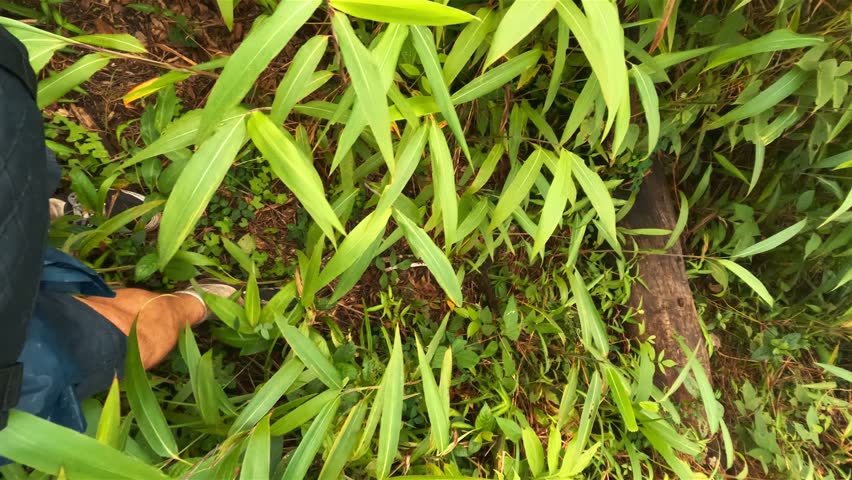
{"points": [[159, 318]]}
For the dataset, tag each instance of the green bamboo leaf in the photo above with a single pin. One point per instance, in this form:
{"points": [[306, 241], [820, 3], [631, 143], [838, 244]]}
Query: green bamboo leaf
{"points": [[48, 447], [682, 217], [355, 245], [94, 238], [302, 458], [517, 190], [554, 448], [55, 86], [650, 103], [253, 55], [410, 12], [534, 450], [196, 186], [439, 418], [114, 41], [40, 45], [109, 425], [446, 378], [497, 77], [730, 167], [467, 43], [843, 208], [774, 41], [445, 201], [582, 108], [344, 443], [569, 398], [407, 163], [289, 163], [773, 241], [391, 423], [313, 358], [598, 194], [437, 263], [303, 413], [367, 82], [592, 328], [712, 407], [143, 403], [584, 429], [226, 8], [619, 391], [366, 438], [838, 372], [522, 17], [207, 390], [252, 300], [749, 278], [267, 395], [178, 134], [301, 70], [651, 432], [763, 101], [562, 36], [256, 459], [424, 43], [554, 204], [486, 169]]}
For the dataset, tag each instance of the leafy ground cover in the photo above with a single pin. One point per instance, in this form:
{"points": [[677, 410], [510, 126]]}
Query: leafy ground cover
{"points": [[437, 192]]}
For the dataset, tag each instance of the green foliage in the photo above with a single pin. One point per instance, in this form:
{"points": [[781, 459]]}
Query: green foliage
{"points": [[506, 228]]}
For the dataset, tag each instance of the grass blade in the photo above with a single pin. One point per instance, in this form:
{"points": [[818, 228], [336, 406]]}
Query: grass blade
{"points": [[424, 43], [522, 17], [650, 103], [592, 328], [750, 280], [598, 194], [109, 425], [778, 91], [438, 416], [518, 188], [299, 73], [312, 357], [446, 203], [773, 241], [144, 404], [196, 186], [391, 423], [408, 12], [496, 77], [256, 459], [267, 395], [467, 43], [289, 163], [304, 455], [774, 41], [55, 86], [620, 394], [367, 83], [344, 443], [437, 263], [253, 55], [554, 204]]}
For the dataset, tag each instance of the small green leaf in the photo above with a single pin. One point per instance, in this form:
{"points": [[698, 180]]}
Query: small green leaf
{"points": [[303, 413], [297, 467], [778, 91], [650, 103], [522, 17], [94, 238], [438, 417], [749, 278], [496, 77], [55, 86], [109, 425], [267, 395], [843, 208], [114, 41], [356, 243], [467, 43], [444, 184], [773, 241], [391, 423], [410, 12], [554, 204], [838, 372], [517, 190], [682, 217], [584, 429], [561, 54], [619, 392], [774, 41], [437, 263], [598, 194], [256, 459], [312, 357], [207, 390], [299, 73], [344, 443], [592, 328], [252, 300], [534, 450], [226, 8]]}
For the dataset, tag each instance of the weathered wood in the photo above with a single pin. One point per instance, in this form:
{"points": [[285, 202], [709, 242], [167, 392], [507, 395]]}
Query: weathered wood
{"points": [[664, 303]]}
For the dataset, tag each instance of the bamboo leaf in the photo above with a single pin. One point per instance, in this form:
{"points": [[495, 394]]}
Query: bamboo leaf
{"points": [[598, 195], [444, 183], [356, 243], [554, 204], [196, 186], [438, 416], [424, 43], [522, 17], [304, 455], [763, 101], [94, 238], [109, 425], [391, 423], [55, 86], [289, 163], [749, 278], [344, 443], [584, 429], [435, 261], [838, 372], [582, 107], [467, 43], [650, 103], [496, 77], [206, 390], [367, 83], [226, 8], [300, 72], [256, 459], [303, 413], [843, 208], [774, 41], [267, 395], [312, 357], [40, 45], [682, 217], [410, 12], [518, 188], [773, 241], [620, 394], [562, 36], [534, 451], [114, 41], [592, 328], [144, 404], [253, 55], [407, 163]]}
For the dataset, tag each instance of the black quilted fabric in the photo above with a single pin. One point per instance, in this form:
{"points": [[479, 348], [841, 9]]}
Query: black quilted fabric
{"points": [[24, 192]]}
